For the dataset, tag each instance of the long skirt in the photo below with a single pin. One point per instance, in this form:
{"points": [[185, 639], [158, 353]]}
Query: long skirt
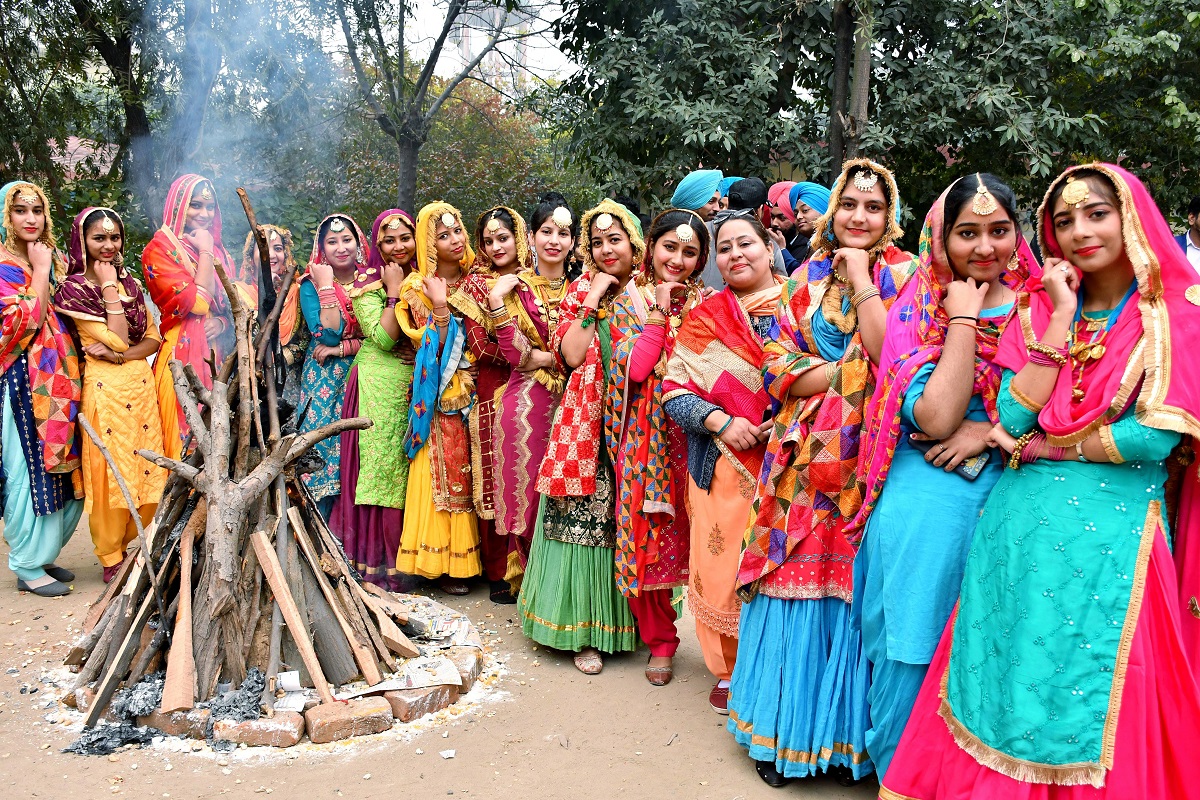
{"points": [[1157, 729], [370, 534], [322, 387], [523, 426], [569, 598], [435, 542], [798, 697]]}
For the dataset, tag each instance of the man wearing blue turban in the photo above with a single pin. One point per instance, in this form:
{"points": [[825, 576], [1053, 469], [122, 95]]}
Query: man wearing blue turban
{"points": [[809, 202], [699, 191], [723, 188]]}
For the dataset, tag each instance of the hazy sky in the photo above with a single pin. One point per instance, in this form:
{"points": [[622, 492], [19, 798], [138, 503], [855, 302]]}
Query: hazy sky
{"points": [[542, 56]]}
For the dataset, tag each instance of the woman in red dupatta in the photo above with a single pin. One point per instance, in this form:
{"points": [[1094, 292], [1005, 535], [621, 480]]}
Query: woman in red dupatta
{"points": [[938, 382], [1062, 673], [40, 396], [798, 698], [502, 249], [569, 600], [179, 266], [713, 390], [650, 448], [106, 304]]}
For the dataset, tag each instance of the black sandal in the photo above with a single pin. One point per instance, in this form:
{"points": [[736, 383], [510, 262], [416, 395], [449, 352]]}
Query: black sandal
{"points": [[771, 776], [502, 594], [845, 777]]}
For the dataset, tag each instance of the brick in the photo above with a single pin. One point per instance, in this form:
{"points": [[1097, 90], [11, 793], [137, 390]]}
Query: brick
{"points": [[331, 722], [410, 704], [282, 730], [192, 724], [469, 662]]}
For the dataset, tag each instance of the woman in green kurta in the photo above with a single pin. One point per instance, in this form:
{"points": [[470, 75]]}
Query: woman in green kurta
{"points": [[1062, 673], [374, 470]]}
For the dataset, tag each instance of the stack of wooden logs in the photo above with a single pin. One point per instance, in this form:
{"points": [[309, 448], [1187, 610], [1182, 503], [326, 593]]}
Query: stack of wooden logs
{"points": [[238, 570]]}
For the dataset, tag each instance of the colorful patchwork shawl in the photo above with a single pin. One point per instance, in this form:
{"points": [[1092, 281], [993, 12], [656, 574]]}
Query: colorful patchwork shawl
{"points": [[636, 428], [808, 487], [719, 358], [916, 331], [54, 377], [573, 451]]}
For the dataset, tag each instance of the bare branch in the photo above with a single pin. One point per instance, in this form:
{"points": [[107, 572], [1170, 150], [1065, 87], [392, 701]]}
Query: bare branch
{"points": [[202, 394], [360, 75], [191, 411], [452, 13], [467, 70], [185, 471], [302, 443]]}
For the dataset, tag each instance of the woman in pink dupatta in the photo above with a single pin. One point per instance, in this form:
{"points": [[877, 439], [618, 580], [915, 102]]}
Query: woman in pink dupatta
{"points": [[1062, 673], [938, 383]]}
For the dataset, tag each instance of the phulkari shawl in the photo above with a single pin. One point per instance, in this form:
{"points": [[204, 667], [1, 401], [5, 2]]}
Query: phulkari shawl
{"points": [[636, 429], [808, 488], [916, 331], [576, 435], [440, 378]]}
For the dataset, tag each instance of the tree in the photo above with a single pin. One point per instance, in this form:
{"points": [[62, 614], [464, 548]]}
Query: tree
{"points": [[404, 99]]}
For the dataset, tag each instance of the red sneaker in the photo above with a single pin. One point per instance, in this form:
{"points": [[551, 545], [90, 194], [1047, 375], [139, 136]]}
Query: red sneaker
{"points": [[718, 698]]}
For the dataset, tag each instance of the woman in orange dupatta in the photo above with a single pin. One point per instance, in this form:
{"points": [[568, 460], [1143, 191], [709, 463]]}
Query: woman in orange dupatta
{"points": [[714, 391], [293, 333], [179, 267]]}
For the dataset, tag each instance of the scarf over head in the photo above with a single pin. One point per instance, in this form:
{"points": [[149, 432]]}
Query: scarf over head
{"points": [[1147, 353], [440, 380], [916, 332], [576, 435], [289, 317], [9, 192], [351, 329], [824, 240], [370, 277], [520, 238], [778, 195], [813, 195], [696, 189], [79, 298]]}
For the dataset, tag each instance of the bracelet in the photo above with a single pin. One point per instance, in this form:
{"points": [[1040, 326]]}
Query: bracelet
{"points": [[113, 284], [498, 312], [661, 322], [391, 302], [863, 296], [1014, 460], [588, 316], [964, 323], [1079, 452], [656, 307], [120, 358], [1056, 354], [728, 422], [328, 305], [208, 253], [1029, 453], [964, 316]]}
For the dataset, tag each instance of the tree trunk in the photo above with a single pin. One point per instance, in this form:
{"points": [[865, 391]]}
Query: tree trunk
{"points": [[860, 94], [843, 31], [406, 172]]}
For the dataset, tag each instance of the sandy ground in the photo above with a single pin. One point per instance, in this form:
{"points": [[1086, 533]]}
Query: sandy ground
{"points": [[537, 728]]}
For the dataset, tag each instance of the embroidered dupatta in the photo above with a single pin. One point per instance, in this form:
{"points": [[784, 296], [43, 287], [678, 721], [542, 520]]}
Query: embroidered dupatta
{"points": [[636, 428], [808, 487], [79, 298], [916, 332]]}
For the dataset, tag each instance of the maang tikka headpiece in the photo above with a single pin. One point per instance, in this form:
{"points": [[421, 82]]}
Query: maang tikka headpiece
{"points": [[106, 224], [865, 180], [984, 203], [1075, 193]]}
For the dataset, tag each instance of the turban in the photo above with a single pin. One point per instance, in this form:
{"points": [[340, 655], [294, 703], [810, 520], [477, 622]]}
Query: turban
{"points": [[748, 193], [724, 185], [696, 189], [777, 195], [813, 195]]}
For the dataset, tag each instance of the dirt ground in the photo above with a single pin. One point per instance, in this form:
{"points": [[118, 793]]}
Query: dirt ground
{"points": [[536, 728]]}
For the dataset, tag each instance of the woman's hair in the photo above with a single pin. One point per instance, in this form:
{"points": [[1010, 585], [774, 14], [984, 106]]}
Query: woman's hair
{"points": [[1107, 187], [670, 220], [324, 231], [99, 214], [965, 190], [545, 208], [500, 214], [745, 215]]}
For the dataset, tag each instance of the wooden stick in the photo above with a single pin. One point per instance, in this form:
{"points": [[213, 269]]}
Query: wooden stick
{"points": [[134, 511], [101, 606], [179, 687], [362, 655], [287, 606]]}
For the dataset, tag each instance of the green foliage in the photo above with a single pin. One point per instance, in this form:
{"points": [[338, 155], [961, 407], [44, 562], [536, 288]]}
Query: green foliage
{"points": [[1021, 88]]}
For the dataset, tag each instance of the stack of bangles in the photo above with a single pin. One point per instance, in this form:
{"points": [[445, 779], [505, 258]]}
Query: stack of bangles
{"points": [[1043, 355], [349, 347], [963, 319], [443, 319], [500, 317], [863, 296], [327, 296], [1027, 449]]}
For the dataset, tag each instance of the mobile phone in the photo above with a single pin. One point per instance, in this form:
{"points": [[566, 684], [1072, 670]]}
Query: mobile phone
{"points": [[968, 468]]}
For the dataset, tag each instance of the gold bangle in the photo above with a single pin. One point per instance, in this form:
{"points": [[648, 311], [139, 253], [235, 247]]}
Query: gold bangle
{"points": [[863, 296], [113, 284], [652, 321], [1053, 353], [1014, 461]]}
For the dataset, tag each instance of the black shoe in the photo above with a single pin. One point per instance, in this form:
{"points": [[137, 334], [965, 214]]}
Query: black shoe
{"points": [[501, 593], [59, 574], [771, 776], [53, 589], [844, 776]]}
